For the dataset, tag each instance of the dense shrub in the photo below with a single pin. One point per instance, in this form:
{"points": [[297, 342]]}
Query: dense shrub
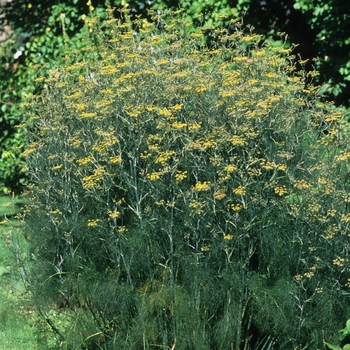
{"points": [[186, 197], [38, 39], [36, 44]]}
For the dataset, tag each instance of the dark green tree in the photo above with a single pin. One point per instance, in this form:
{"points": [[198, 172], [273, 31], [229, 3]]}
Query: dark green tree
{"points": [[319, 27], [330, 21]]}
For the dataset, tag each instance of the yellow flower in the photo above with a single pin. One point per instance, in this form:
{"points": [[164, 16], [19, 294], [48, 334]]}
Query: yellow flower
{"points": [[178, 125], [154, 176], [122, 229], [56, 211], [165, 112], [93, 223], [88, 114], [228, 237], [84, 161], [338, 261], [180, 175], [151, 108], [230, 168], [322, 180], [196, 35], [313, 207], [220, 194], [209, 143], [238, 141], [115, 159], [176, 107], [194, 126], [113, 214], [196, 208], [164, 157], [281, 167], [267, 165], [240, 59], [309, 275], [280, 190], [236, 207], [56, 167], [205, 248], [200, 89], [93, 180], [346, 198], [240, 190], [162, 62], [345, 217], [345, 156], [298, 278], [301, 184], [331, 212], [102, 145], [202, 186]]}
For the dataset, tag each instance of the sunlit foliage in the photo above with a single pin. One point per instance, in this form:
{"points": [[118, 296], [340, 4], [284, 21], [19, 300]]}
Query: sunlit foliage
{"points": [[185, 196]]}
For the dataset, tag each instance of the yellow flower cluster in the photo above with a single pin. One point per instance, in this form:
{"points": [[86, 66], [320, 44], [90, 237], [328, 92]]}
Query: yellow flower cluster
{"points": [[344, 156], [301, 184], [113, 214], [88, 114], [102, 145], [205, 248], [345, 217], [268, 165], [240, 190], [155, 175], [236, 207], [338, 261], [115, 159], [196, 207], [56, 167], [238, 140], [180, 175], [85, 160], [93, 222], [230, 168], [92, 181], [220, 194], [314, 207], [202, 186], [280, 190], [164, 157]]}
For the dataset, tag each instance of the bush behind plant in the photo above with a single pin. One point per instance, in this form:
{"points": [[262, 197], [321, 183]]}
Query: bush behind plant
{"points": [[185, 196]]}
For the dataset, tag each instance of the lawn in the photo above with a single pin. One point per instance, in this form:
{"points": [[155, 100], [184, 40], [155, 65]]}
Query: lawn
{"points": [[16, 312]]}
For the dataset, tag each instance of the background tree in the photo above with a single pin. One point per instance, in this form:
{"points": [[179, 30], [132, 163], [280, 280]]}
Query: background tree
{"points": [[36, 43], [320, 27]]}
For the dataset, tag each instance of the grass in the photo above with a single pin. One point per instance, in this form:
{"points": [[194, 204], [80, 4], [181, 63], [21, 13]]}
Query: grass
{"points": [[16, 313]]}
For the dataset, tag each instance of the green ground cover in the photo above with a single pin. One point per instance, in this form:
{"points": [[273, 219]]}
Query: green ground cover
{"points": [[16, 313]]}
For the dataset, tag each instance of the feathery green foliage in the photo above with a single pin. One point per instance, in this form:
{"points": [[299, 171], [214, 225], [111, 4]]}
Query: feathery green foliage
{"points": [[186, 197]]}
